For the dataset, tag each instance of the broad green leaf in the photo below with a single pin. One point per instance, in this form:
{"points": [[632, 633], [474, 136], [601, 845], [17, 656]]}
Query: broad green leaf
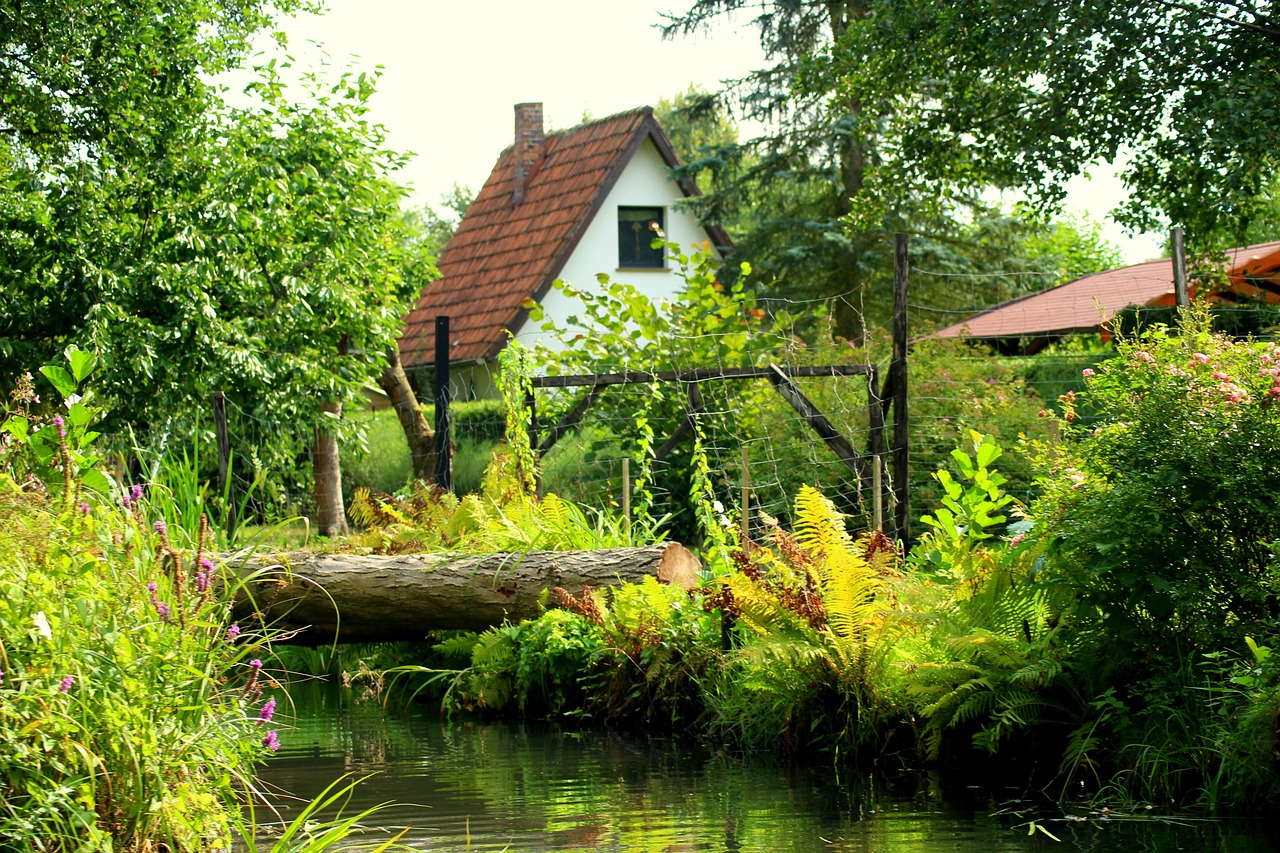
{"points": [[82, 363], [60, 379], [96, 480], [988, 453], [18, 426]]}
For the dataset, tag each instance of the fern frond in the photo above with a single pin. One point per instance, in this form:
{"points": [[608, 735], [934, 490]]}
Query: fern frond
{"points": [[819, 526]]}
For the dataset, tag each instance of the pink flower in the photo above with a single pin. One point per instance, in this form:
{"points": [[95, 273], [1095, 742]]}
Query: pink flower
{"points": [[1143, 355], [1220, 375], [271, 741], [1017, 540], [1088, 371], [1199, 358], [233, 632], [268, 711], [65, 684]]}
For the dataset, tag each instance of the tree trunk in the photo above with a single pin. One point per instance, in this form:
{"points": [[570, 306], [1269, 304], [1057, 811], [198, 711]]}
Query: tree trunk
{"points": [[350, 598], [331, 513], [853, 154], [417, 432]]}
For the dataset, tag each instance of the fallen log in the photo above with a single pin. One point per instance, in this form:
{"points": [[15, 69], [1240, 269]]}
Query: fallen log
{"points": [[351, 598]]}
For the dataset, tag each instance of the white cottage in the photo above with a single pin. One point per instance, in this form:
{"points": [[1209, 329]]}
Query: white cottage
{"points": [[565, 205]]}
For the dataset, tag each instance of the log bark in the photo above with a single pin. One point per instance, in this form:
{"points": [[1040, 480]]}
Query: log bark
{"points": [[350, 598]]}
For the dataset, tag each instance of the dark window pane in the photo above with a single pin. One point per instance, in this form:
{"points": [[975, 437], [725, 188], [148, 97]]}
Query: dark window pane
{"points": [[635, 232]]}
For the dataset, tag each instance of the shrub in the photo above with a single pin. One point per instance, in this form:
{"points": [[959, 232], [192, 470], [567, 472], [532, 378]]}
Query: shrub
{"points": [[119, 726], [1162, 514]]}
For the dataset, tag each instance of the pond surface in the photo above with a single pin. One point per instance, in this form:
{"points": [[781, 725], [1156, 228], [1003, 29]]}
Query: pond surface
{"points": [[494, 787]]}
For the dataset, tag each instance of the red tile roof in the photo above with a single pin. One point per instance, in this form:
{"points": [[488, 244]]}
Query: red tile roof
{"points": [[1087, 303], [505, 253]]}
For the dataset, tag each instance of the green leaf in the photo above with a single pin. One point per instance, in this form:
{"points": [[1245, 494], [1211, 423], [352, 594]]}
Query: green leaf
{"points": [[60, 379], [18, 427], [82, 363], [79, 414], [96, 480], [963, 462], [988, 453]]}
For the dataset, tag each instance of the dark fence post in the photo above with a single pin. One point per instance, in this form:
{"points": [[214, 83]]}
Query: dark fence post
{"points": [[224, 459], [444, 447], [1179, 268], [898, 380]]}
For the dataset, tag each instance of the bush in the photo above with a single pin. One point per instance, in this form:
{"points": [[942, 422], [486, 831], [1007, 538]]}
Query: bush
{"points": [[1164, 512], [119, 725]]}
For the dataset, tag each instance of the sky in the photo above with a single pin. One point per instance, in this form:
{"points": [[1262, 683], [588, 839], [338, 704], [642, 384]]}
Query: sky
{"points": [[453, 71]]}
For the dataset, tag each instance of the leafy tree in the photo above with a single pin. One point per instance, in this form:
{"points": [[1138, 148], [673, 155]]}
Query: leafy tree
{"points": [[698, 126], [1182, 92], [812, 201], [196, 247], [433, 228]]}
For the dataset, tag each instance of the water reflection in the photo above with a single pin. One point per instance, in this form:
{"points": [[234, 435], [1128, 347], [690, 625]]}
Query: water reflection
{"points": [[535, 788]]}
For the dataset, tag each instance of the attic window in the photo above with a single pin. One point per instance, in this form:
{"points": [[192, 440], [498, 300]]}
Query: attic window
{"points": [[635, 234]]}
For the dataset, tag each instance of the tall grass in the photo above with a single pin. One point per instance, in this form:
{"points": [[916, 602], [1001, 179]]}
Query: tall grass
{"points": [[133, 712]]}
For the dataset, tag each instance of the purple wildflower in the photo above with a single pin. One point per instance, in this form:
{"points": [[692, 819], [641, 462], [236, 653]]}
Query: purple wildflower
{"points": [[202, 581], [60, 424], [206, 564], [136, 492], [271, 741], [232, 632], [65, 684], [162, 610], [161, 527], [268, 710], [83, 507], [256, 664], [151, 587]]}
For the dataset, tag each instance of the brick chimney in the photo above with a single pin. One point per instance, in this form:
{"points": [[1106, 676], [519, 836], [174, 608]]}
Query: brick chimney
{"points": [[531, 144]]}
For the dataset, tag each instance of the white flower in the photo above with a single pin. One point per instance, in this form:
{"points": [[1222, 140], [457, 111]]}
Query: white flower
{"points": [[42, 625], [72, 400]]}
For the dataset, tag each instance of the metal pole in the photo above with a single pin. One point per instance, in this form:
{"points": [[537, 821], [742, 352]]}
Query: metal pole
{"points": [[746, 497], [444, 460]]}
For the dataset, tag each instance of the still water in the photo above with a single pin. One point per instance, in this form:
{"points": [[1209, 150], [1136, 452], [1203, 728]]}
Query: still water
{"points": [[494, 787]]}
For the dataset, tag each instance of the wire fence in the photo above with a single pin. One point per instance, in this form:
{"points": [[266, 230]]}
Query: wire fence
{"points": [[814, 415]]}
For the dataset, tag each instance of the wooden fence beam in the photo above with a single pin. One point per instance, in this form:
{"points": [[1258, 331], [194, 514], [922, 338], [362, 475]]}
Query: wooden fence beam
{"points": [[818, 421]]}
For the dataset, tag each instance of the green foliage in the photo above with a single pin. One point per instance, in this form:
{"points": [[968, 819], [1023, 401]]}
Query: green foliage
{"points": [[812, 669], [129, 716], [620, 329], [958, 388], [971, 511], [1162, 513], [195, 246], [502, 516], [812, 200], [538, 664], [1181, 90]]}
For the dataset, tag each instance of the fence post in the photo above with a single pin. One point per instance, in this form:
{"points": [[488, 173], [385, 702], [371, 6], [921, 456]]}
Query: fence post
{"points": [[626, 496], [875, 448], [444, 447], [224, 459], [898, 379], [1179, 268]]}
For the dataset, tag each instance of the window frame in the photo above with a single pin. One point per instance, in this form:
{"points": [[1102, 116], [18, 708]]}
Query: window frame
{"points": [[640, 258]]}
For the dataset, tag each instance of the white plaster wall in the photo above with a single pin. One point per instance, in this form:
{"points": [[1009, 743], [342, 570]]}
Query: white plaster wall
{"points": [[643, 183]]}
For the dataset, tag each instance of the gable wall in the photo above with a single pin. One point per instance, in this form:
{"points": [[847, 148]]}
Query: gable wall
{"points": [[643, 183]]}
